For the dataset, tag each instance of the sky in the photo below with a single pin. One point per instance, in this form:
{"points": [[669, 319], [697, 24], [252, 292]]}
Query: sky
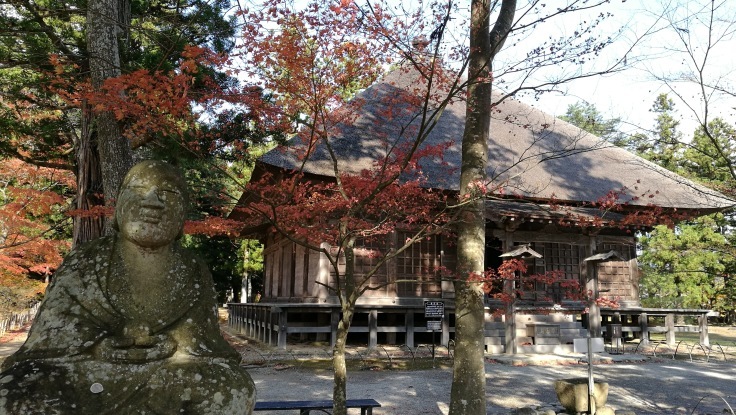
{"points": [[657, 53], [642, 32]]}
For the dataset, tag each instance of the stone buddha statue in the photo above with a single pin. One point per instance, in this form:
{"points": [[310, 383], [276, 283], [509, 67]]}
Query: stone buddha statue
{"points": [[129, 322]]}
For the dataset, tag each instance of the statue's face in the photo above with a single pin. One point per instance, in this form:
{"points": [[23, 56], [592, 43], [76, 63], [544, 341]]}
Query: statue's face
{"points": [[150, 209]]}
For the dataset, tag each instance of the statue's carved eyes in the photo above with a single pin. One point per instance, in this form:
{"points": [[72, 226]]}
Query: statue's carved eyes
{"points": [[173, 191], [144, 189]]}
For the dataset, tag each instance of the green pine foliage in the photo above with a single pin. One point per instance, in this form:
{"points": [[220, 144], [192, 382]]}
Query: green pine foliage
{"points": [[684, 267], [666, 140], [41, 128], [587, 117], [692, 265], [710, 156]]}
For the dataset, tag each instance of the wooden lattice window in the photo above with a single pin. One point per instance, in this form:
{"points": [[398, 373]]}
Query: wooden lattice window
{"points": [[367, 256], [418, 267], [627, 251], [287, 270], [561, 257], [616, 279]]}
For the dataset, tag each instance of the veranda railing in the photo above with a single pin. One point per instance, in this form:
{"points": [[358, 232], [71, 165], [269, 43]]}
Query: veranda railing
{"points": [[15, 321]]}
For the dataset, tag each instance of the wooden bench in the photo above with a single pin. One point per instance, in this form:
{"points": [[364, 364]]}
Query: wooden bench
{"points": [[366, 405]]}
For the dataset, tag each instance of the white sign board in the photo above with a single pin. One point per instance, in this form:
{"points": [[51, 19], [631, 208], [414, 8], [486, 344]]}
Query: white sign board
{"points": [[581, 345], [434, 325], [434, 309]]}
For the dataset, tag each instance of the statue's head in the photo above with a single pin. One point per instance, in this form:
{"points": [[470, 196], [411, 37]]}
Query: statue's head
{"points": [[151, 205]]}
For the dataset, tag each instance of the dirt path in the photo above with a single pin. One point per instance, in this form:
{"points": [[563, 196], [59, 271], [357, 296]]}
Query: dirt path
{"points": [[670, 387], [658, 386]]}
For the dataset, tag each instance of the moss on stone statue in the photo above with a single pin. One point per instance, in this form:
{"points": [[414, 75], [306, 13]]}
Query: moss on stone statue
{"points": [[129, 323]]}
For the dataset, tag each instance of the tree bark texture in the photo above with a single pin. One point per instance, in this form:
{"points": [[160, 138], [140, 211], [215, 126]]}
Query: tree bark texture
{"points": [[103, 28], [346, 291], [89, 185], [339, 388], [468, 394]]}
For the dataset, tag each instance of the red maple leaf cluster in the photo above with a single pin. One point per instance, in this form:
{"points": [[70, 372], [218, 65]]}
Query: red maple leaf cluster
{"points": [[32, 221]]}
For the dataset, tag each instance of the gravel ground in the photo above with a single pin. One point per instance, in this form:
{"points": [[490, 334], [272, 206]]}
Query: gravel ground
{"points": [[663, 387], [637, 383]]}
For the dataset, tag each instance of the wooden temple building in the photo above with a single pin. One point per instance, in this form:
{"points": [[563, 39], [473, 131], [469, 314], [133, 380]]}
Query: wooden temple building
{"points": [[553, 172]]}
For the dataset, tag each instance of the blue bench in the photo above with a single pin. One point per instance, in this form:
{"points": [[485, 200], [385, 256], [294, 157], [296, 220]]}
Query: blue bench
{"points": [[366, 406]]}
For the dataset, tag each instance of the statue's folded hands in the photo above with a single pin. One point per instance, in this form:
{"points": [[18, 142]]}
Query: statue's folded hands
{"points": [[129, 322]]}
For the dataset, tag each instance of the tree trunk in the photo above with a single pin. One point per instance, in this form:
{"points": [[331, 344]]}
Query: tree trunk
{"points": [[89, 185], [468, 394], [103, 27], [339, 389], [346, 291]]}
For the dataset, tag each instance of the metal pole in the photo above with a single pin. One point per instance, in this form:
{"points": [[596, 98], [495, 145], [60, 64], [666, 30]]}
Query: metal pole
{"points": [[590, 375]]}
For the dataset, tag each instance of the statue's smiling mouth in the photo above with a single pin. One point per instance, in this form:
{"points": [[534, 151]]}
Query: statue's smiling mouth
{"points": [[149, 215]]}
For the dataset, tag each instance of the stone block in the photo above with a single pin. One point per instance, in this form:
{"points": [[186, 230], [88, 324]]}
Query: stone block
{"points": [[605, 410], [573, 394], [581, 345]]}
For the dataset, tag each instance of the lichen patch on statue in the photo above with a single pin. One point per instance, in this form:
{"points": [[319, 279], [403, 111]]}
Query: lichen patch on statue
{"points": [[127, 325]]}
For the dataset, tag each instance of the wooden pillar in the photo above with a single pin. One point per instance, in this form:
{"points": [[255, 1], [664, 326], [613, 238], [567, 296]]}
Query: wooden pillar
{"points": [[372, 328], [242, 324], [253, 316], [594, 312], [445, 330], [508, 288], [594, 318], [266, 326], [263, 325], [510, 329], [270, 328], [258, 322], [409, 323], [334, 320], [591, 285], [247, 324], [391, 321], [243, 310], [669, 323], [323, 319], [644, 326], [232, 318], [283, 324], [252, 320], [703, 320]]}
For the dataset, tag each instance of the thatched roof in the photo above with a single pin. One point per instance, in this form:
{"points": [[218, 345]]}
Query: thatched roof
{"points": [[535, 155]]}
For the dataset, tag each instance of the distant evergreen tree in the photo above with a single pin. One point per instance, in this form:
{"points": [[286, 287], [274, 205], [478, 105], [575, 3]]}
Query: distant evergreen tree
{"points": [[710, 157], [666, 141], [692, 265], [684, 267], [587, 117]]}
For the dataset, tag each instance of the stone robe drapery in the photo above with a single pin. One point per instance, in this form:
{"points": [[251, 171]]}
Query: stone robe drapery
{"points": [[73, 361]]}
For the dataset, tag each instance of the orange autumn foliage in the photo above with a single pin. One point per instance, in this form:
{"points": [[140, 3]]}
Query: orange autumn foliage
{"points": [[32, 220], [153, 104]]}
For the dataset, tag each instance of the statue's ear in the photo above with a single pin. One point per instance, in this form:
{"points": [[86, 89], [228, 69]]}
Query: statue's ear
{"points": [[115, 222]]}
